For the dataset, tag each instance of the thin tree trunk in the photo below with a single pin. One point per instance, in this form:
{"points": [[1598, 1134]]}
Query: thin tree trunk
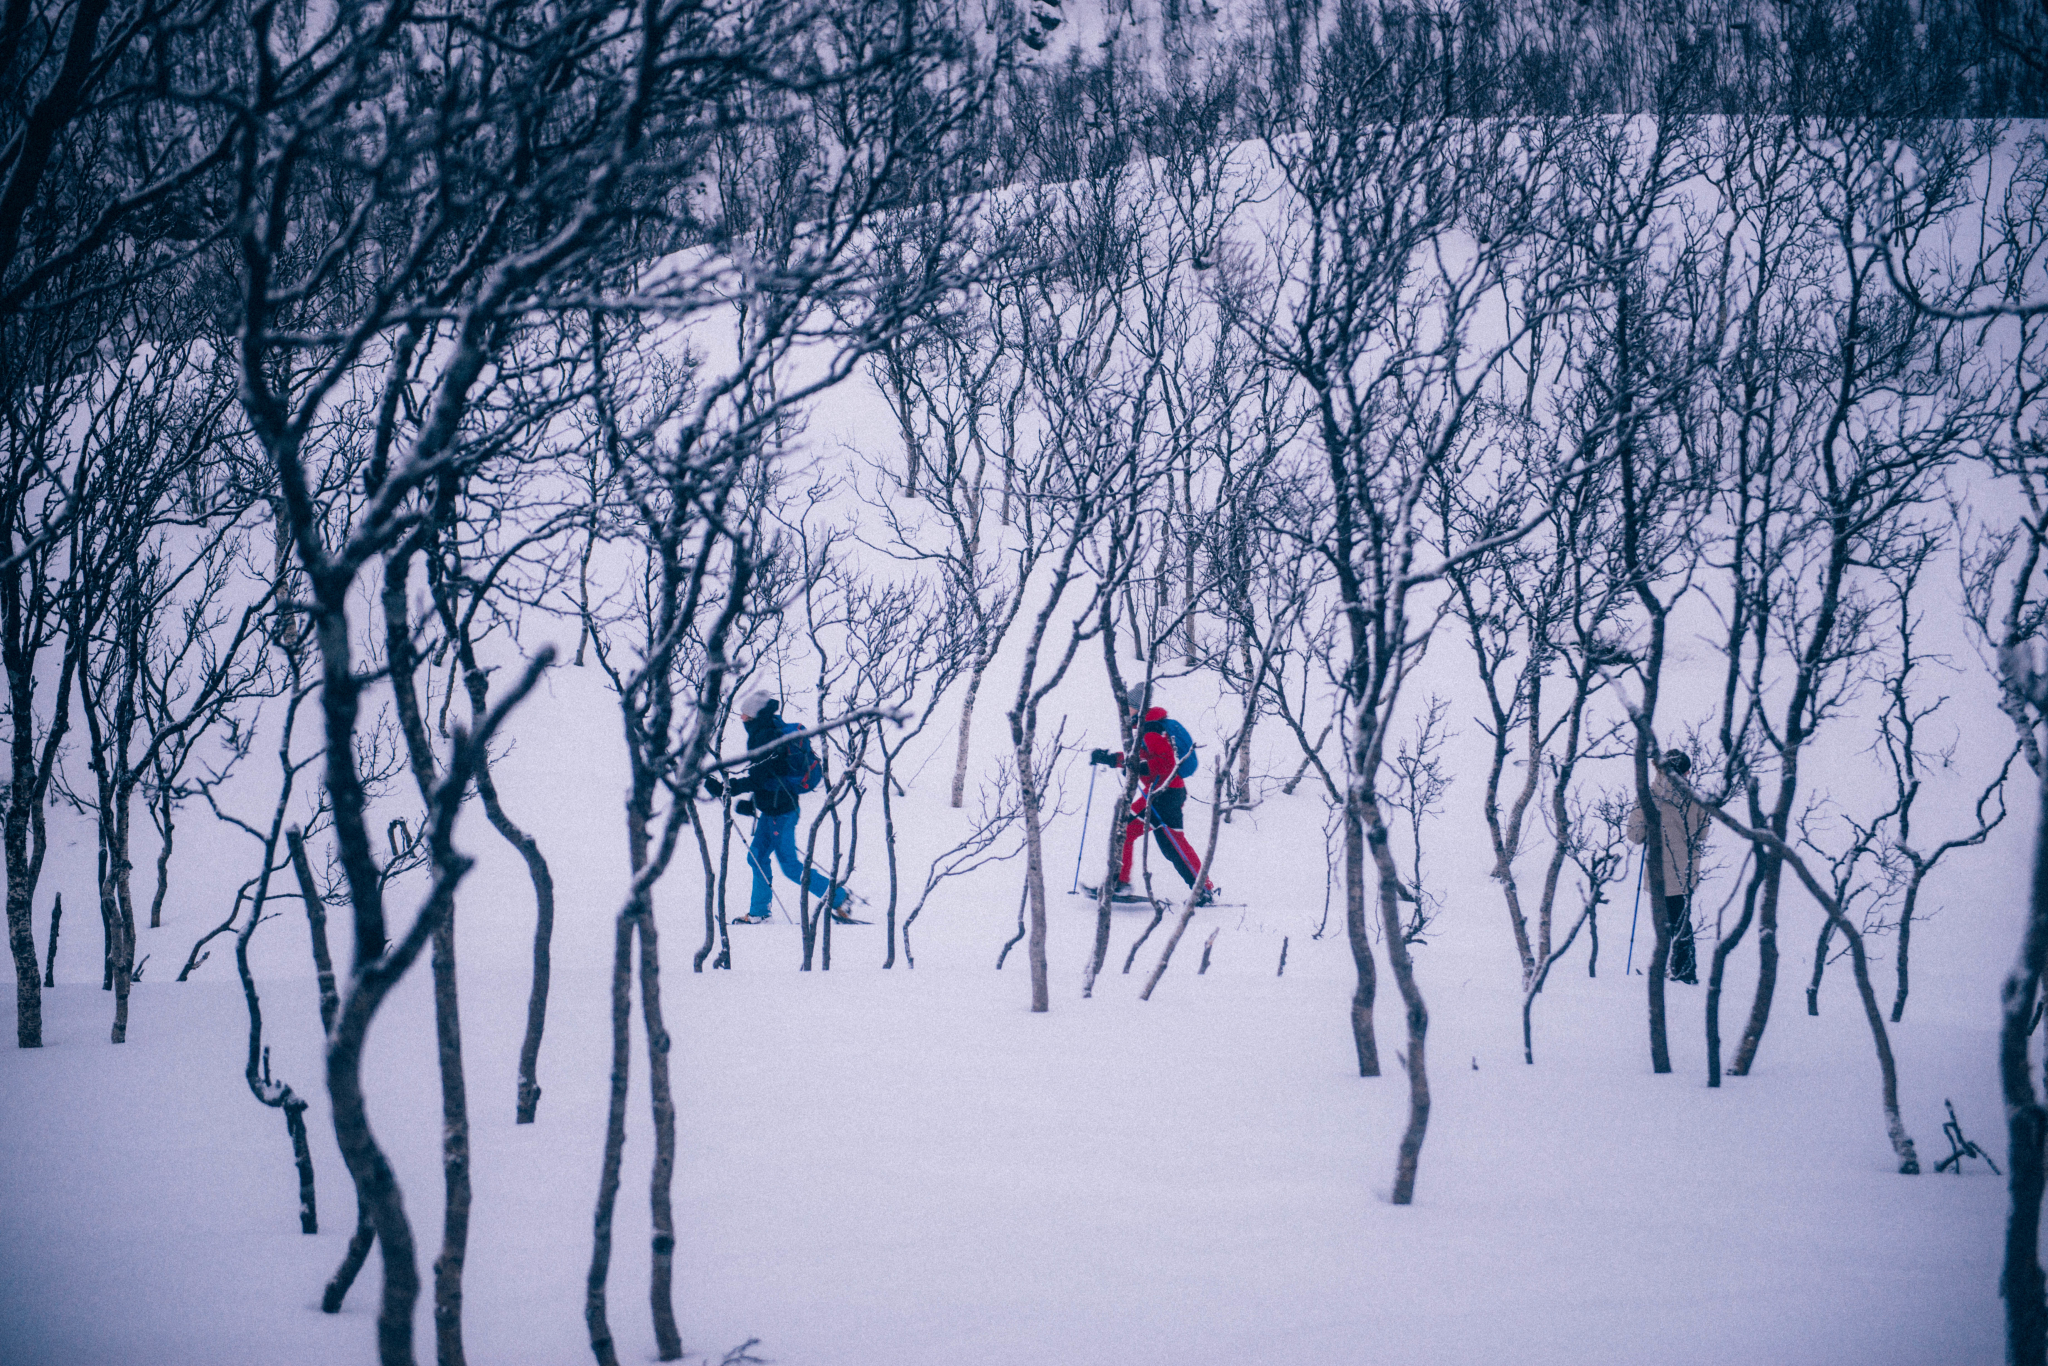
{"points": [[108, 933], [454, 1150], [1820, 966], [1034, 889], [889, 848], [537, 872], [1180, 927], [1766, 970], [710, 894], [352, 1261], [1023, 897], [1660, 964], [264, 1088], [668, 1340], [981, 663], [1719, 970], [401, 661], [316, 924], [195, 958], [376, 1185], [50, 963], [1362, 995], [1417, 1012], [302, 1157], [724, 959], [1536, 985], [1905, 945], [316, 920], [122, 925], [1158, 914], [163, 866], [1888, 1072], [543, 879], [614, 1143]]}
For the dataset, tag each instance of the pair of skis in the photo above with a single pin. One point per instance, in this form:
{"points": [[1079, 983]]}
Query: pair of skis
{"points": [[1140, 899]]}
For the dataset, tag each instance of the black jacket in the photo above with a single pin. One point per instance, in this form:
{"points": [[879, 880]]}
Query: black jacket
{"points": [[769, 778]]}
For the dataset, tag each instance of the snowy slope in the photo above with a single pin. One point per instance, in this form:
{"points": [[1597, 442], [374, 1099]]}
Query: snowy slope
{"points": [[910, 1168]]}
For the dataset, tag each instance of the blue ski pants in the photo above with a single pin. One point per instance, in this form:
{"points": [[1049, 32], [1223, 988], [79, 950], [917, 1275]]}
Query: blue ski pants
{"points": [[775, 839]]}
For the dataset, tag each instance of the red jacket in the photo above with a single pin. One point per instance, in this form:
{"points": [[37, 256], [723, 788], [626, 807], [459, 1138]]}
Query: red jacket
{"points": [[1161, 766]]}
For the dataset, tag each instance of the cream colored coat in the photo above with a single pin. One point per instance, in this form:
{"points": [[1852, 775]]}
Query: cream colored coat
{"points": [[1685, 836]]}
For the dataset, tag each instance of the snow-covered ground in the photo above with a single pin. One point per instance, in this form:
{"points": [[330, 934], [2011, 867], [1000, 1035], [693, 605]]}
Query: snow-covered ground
{"points": [[908, 1167]]}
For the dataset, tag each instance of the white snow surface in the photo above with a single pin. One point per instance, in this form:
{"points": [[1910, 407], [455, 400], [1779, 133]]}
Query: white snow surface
{"points": [[908, 1167]]}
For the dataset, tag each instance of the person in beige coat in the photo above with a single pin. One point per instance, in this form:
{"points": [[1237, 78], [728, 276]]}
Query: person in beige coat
{"points": [[1684, 831]]}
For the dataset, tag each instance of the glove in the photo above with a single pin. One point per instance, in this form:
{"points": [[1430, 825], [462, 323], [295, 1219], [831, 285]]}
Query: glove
{"points": [[714, 787], [1103, 756], [745, 806]]}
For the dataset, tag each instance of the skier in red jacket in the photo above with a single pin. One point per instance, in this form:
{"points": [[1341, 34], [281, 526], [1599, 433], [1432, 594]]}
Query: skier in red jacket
{"points": [[1161, 800]]}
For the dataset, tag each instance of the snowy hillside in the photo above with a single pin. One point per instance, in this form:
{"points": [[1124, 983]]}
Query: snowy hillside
{"points": [[478, 480]]}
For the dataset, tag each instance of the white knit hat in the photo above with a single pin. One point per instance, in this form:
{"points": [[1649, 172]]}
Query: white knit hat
{"points": [[754, 701]]}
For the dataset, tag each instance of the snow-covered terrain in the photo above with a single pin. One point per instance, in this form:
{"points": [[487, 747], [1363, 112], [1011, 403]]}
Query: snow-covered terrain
{"points": [[908, 1167]]}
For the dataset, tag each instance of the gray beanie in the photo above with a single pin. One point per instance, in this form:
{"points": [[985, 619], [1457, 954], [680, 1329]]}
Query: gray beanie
{"points": [[754, 701]]}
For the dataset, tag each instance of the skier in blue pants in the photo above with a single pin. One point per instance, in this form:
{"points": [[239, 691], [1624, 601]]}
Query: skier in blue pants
{"points": [[774, 807]]}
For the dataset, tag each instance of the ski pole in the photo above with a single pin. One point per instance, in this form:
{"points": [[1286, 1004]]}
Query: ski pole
{"points": [[1630, 964], [1086, 808]]}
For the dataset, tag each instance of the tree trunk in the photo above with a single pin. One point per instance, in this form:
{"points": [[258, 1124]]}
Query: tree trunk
{"points": [[1023, 899], [1362, 995], [1895, 1127], [537, 872], [1180, 927], [889, 850], [1820, 966], [668, 1340], [454, 1150], [1158, 914], [352, 1261], [376, 1186], [966, 725], [316, 924], [1416, 1061], [50, 963], [710, 894], [1766, 967], [1719, 970], [1905, 945], [302, 1156], [614, 1144], [724, 959], [543, 937], [121, 949], [168, 826], [1034, 888], [1529, 994]]}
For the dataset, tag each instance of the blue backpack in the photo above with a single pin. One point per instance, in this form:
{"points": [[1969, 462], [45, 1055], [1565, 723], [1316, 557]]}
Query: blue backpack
{"points": [[1183, 747], [800, 761]]}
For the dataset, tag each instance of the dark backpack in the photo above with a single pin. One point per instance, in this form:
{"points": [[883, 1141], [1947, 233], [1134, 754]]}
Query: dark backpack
{"points": [[801, 761], [1183, 747]]}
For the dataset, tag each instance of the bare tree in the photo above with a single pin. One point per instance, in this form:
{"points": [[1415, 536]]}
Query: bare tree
{"points": [[957, 388], [1082, 486], [1378, 176], [1895, 1129], [1820, 497], [1592, 840]]}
